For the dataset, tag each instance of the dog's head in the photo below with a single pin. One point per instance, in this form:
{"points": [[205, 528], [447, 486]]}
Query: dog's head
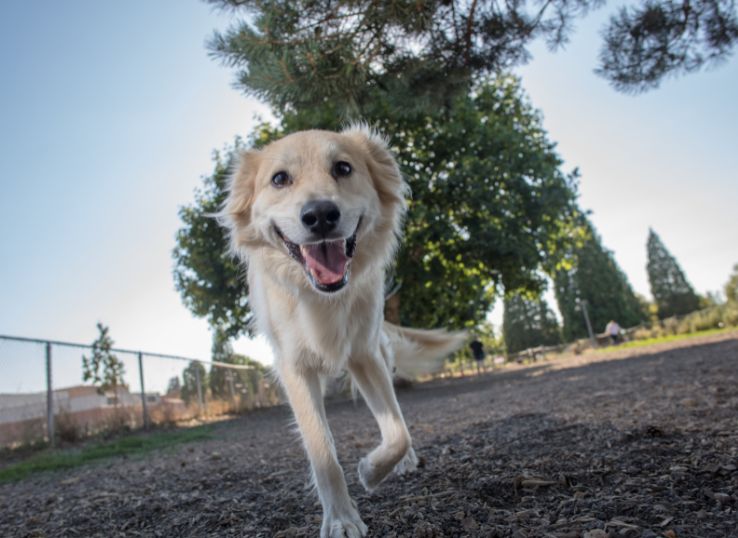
{"points": [[319, 206]]}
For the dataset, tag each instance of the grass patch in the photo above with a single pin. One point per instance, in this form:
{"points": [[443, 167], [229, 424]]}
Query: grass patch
{"points": [[666, 338], [133, 445]]}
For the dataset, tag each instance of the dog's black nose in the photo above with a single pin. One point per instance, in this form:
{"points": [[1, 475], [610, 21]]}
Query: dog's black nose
{"points": [[320, 216]]}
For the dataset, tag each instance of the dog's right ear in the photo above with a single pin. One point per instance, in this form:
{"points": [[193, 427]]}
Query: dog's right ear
{"points": [[235, 214]]}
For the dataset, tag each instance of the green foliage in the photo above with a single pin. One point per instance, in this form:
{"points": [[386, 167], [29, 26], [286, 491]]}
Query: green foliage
{"points": [[305, 52], [595, 277], [174, 387], [209, 280], [731, 287], [190, 375], [489, 205], [528, 322], [226, 383], [645, 43], [103, 369], [663, 337], [671, 291], [715, 318], [493, 343]]}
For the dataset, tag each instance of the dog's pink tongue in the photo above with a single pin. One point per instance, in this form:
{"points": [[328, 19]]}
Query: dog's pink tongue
{"points": [[326, 261]]}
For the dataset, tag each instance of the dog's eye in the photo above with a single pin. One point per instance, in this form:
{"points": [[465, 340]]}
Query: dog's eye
{"points": [[281, 179], [341, 169]]}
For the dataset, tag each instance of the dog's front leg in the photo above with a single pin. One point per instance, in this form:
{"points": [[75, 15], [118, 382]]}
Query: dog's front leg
{"points": [[395, 451], [340, 516]]}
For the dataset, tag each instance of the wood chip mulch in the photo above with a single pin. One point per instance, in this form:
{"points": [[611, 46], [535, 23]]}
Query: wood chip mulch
{"points": [[631, 443]]}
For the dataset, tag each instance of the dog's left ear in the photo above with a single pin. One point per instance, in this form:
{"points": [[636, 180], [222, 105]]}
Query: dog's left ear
{"points": [[383, 168], [235, 214]]}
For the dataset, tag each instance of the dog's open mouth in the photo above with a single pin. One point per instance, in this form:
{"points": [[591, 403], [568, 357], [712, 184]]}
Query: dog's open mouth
{"points": [[327, 263]]}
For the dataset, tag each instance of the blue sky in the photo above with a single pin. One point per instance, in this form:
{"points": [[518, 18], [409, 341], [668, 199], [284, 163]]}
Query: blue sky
{"points": [[110, 112]]}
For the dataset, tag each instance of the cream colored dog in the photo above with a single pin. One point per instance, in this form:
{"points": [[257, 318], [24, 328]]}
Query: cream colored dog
{"points": [[316, 217]]}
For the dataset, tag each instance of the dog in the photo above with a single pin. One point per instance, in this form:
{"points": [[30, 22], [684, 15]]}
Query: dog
{"points": [[316, 218]]}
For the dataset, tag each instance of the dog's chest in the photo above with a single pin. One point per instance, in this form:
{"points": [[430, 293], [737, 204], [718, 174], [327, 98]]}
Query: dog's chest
{"points": [[332, 332], [318, 332]]}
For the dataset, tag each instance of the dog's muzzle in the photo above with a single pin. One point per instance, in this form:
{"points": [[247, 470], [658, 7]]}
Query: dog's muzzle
{"points": [[327, 263]]}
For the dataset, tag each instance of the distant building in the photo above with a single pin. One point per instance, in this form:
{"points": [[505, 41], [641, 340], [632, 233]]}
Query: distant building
{"points": [[23, 416]]}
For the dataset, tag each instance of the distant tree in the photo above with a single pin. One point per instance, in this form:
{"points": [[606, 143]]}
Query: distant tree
{"points": [[494, 344], [208, 278], [649, 308], [174, 387], [710, 299], [671, 291], [305, 52], [221, 351], [731, 286], [595, 277], [103, 368], [226, 383], [190, 376], [528, 322]]}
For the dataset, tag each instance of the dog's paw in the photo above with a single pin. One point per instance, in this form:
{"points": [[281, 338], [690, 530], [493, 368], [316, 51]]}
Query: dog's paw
{"points": [[369, 476], [347, 524], [407, 464]]}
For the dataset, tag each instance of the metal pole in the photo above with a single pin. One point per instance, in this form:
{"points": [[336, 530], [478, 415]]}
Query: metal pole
{"points": [[232, 388], [143, 391], [200, 399], [589, 324], [49, 398]]}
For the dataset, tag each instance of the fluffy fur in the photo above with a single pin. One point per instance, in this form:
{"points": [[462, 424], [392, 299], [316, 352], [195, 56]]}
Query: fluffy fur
{"points": [[323, 313]]}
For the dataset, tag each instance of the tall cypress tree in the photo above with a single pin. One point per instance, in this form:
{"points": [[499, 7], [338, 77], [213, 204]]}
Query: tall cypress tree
{"points": [[595, 277], [528, 322], [672, 292]]}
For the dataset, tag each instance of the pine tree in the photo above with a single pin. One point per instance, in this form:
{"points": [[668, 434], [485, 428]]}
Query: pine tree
{"points": [[305, 52], [671, 291], [595, 277], [528, 322]]}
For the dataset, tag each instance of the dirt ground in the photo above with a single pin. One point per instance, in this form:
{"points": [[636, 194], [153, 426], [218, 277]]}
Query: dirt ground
{"points": [[620, 444]]}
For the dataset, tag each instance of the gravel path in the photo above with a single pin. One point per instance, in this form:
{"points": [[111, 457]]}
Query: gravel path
{"points": [[622, 444]]}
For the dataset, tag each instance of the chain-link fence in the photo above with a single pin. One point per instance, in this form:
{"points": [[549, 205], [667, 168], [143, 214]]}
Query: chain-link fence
{"points": [[44, 396]]}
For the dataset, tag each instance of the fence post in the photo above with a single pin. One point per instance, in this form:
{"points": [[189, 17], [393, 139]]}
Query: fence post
{"points": [[200, 399], [583, 304], [49, 398], [144, 409], [232, 388]]}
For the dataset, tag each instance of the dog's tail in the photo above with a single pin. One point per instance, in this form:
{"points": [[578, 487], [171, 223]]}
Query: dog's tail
{"points": [[418, 352]]}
